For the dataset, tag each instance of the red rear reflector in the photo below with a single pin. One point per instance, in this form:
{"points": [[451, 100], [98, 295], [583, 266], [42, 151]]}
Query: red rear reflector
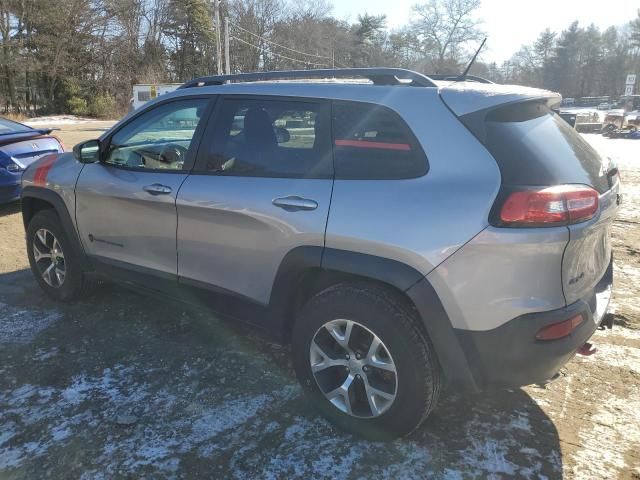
{"points": [[548, 206], [559, 330], [378, 145]]}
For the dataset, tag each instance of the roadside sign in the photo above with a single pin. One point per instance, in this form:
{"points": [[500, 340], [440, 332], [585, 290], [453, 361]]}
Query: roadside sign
{"points": [[631, 79], [628, 90]]}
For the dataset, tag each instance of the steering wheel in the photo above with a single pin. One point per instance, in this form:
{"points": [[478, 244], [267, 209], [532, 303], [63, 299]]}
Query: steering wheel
{"points": [[173, 153]]}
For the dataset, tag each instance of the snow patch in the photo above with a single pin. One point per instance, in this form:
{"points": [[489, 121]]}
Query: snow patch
{"points": [[614, 431], [21, 325], [57, 120]]}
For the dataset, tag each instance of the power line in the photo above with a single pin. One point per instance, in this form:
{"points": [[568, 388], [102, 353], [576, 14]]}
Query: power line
{"points": [[279, 55], [278, 45]]}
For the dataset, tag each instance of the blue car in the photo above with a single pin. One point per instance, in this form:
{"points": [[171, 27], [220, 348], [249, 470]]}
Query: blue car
{"points": [[20, 146]]}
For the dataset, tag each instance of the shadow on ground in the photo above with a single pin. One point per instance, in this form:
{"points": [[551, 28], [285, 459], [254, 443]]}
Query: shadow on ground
{"points": [[9, 208], [126, 385]]}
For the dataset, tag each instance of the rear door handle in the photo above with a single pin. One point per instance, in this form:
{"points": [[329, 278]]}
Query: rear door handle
{"points": [[294, 203], [157, 189]]}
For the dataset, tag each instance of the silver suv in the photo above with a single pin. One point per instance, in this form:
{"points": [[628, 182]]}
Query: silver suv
{"points": [[402, 232]]}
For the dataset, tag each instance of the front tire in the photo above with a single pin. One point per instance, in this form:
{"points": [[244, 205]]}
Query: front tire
{"points": [[364, 362], [54, 262]]}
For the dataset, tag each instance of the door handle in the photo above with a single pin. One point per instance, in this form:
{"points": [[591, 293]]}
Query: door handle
{"points": [[157, 189], [294, 203]]}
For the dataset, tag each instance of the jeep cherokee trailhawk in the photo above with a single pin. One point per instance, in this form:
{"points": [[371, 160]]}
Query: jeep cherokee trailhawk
{"points": [[401, 231]]}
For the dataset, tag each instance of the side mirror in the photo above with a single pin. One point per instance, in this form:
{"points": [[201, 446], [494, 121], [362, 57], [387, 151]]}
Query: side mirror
{"points": [[282, 135], [87, 152]]}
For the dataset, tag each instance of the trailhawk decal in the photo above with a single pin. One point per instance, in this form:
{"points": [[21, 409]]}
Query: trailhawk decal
{"points": [[40, 177]]}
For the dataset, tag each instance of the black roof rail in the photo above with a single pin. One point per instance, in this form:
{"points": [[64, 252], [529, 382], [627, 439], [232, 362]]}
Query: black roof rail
{"points": [[379, 76], [459, 78]]}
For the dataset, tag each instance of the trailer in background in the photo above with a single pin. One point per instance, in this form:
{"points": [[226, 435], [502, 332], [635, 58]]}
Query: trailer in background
{"points": [[146, 92]]}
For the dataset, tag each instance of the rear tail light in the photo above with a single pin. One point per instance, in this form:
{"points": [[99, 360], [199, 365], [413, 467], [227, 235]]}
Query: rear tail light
{"points": [[60, 142], [559, 330], [551, 206]]}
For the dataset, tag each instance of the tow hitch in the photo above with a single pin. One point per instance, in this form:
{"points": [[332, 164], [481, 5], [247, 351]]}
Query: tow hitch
{"points": [[587, 350]]}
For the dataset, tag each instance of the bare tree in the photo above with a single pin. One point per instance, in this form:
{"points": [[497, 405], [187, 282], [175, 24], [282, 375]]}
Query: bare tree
{"points": [[444, 28]]}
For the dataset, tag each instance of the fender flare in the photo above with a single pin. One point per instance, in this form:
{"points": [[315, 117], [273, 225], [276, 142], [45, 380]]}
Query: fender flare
{"points": [[54, 199], [399, 275]]}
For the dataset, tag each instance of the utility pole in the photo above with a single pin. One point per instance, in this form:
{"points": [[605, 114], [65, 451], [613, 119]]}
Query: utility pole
{"points": [[216, 10], [227, 59]]}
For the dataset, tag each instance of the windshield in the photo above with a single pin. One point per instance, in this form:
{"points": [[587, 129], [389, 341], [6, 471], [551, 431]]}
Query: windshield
{"points": [[7, 126]]}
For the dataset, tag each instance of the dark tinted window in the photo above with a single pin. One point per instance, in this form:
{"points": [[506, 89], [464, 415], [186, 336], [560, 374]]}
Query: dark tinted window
{"points": [[271, 138], [373, 142], [535, 146], [7, 126]]}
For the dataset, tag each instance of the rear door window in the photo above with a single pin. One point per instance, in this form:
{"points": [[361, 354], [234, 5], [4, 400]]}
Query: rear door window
{"points": [[373, 142], [258, 137]]}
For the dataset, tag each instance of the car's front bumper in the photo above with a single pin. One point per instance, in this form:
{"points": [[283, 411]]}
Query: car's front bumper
{"points": [[510, 355]]}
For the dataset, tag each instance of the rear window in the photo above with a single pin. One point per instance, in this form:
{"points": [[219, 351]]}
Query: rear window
{"points": [[7, 126], [373, 142], [535, 146]]}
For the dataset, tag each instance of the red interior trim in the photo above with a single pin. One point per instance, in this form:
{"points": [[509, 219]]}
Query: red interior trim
{"points": [[367, 144]]}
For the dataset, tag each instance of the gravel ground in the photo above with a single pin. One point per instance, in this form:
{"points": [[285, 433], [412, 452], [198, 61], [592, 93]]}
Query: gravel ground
{"points": [[121, 385]]}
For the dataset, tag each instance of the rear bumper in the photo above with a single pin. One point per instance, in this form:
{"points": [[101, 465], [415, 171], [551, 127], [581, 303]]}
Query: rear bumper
{"points": [[510, 355]]}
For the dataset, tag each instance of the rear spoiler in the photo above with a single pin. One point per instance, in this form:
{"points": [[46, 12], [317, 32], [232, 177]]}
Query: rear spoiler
{"points": [[22, 136], [464, 98]]}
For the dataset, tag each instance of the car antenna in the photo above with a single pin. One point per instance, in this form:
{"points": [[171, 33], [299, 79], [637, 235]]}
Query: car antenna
{"points": [[473, 59]]}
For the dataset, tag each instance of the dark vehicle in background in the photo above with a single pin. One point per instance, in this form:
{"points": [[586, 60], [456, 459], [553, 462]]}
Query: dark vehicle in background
{"points": [[569, 117], [20, 146], [618, 124]]}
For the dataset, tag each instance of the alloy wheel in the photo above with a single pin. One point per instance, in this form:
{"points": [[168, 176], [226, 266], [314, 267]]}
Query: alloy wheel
{"points": [[49, 258], [353, 368]]}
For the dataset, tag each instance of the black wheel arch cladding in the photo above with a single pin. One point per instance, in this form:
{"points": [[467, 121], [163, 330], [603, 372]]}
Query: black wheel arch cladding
{"points": [[56, 202], [398, 275]]}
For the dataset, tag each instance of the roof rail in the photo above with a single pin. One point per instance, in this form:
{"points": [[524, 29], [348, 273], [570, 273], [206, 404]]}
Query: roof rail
{"points": [[379, 76], [459, 78]]}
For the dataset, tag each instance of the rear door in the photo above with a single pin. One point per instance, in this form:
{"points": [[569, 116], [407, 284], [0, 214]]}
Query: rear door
{"points": [[261, 187], [125, 204]]}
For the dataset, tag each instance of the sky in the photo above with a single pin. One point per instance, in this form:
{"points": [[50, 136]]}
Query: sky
{"points": [[509, 24]]}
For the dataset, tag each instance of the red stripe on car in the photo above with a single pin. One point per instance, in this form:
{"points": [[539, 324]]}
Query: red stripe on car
{"points": [[40, 177], [380, 145]]}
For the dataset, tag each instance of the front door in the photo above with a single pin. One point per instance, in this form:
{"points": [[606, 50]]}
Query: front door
{"points": [[261, 188], [126, 203]]}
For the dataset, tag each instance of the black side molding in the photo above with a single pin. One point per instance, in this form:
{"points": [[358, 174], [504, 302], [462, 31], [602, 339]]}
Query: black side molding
{"points": [[58, 204]]}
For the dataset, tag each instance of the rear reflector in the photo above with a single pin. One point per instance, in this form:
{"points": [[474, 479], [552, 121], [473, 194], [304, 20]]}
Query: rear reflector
{"points": [[559, 330], [558, 205]]}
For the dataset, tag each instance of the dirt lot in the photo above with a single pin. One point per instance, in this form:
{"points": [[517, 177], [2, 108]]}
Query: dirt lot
{"points": [[121, 385]]}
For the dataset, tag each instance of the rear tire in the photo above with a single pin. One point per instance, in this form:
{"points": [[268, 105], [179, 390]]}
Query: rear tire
{"points": [[373, 312], [49, 250]]}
